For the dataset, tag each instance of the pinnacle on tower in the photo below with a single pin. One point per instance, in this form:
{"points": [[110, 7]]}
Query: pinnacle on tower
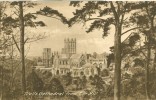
{"points": [[72, 40], [68, 39]]}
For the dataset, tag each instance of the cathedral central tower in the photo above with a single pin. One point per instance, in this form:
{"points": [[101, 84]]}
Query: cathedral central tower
{"points": [[69, 46]]}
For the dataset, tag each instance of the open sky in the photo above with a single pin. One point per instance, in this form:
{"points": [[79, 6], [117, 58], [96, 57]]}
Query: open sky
{"points": [[57, 32]]}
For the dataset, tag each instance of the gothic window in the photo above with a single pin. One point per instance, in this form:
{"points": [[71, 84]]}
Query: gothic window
{"points": [[57, 72], [82, 62], [61, 71], [67, 62]]}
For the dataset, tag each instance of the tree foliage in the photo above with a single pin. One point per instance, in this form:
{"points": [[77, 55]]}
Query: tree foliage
{"points": [[49, 12], [99, 89], [34, 82], [105, 14], [56, 86]]}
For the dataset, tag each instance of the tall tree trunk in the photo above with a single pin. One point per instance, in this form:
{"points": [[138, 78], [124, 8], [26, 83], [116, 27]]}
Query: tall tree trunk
{"points": [[147, 67], [1, 95], [117, 52], [154, 37], [147, 85], [154, 60], [21, 20]]}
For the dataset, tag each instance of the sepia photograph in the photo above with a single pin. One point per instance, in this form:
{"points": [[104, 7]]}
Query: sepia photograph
{"points": [[77, 50]]}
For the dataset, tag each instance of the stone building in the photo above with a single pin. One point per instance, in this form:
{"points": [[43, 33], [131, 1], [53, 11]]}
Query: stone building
{"points": [[99, 61], [47, 57], [70, 61], [61, 64], [69, 46], [87, 70], [77, 60]]}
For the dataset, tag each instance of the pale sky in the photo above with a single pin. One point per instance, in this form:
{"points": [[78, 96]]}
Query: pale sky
{"points": [[57, 32]]}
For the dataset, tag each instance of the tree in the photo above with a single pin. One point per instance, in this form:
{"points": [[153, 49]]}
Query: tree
{"points": [[104, 14], [84, 81], [56, 87], [76, 82], [27, 20], [34, 82], [146, 20], [68, 79], [110, 59], [52, 13], [4, 40], [133, 86], [22, 25], [105, 73], [21, 20], [5, 76], [99, 89], [95, 55]]}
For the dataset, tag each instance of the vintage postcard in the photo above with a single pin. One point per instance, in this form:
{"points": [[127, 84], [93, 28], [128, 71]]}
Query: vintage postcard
{"points": [[77, 50]]}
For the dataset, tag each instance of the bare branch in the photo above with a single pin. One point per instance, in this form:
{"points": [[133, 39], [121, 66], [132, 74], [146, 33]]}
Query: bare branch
{"points": [[16, 9], [127, 37], [94, 19], [6, 40], [130, 30], [26, 40], [125, 19], [114, 11], [118, 10], [122, 19], [37, 39], [143, 54], [15, 43], [15, 13]]}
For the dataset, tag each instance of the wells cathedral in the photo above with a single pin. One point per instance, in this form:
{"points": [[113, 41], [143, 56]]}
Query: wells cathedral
{"points": [[70, 61]]}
